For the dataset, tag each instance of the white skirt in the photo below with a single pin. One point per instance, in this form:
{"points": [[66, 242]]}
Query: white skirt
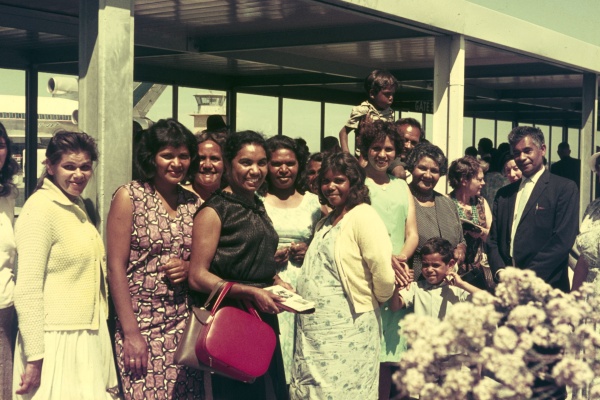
{"points": [[77, 365]]}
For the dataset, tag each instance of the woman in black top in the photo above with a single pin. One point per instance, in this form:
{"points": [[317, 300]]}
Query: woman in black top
{"points": [[233, 239]]}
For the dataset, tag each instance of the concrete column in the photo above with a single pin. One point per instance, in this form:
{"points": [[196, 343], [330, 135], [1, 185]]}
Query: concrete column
{"points": [[589, 116], [448, 97], [106, 93], [31, 130]]}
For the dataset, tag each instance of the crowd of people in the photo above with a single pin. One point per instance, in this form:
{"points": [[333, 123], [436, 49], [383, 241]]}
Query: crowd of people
{"points": [[366, 237]]}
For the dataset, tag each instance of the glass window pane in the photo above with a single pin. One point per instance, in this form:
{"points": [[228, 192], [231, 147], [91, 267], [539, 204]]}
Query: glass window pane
{"points": [[196, 105], [336, 116], [573, 139], [163, 107], [303, 119], [467, 132], [257, 113], [484, 128], [555, 140], [429, 126], [503, 128]]}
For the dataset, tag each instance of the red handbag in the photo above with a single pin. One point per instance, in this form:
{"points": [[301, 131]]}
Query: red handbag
{"points": [[234, 342]]}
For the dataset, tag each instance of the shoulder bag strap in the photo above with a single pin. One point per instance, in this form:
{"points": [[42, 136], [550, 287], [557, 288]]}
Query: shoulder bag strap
{"points": [[215, 290]]}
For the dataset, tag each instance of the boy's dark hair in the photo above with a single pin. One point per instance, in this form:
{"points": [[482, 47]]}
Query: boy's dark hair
{"points": [[376, 131], [438, 245], [378, 80]]}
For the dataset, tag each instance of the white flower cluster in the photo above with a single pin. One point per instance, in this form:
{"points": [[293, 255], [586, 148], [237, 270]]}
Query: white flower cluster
{"points": [[495, 347]]}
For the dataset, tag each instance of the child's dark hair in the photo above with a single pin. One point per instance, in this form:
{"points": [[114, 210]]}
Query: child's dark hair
{"points": [[370, 132], [438, 245], [378, 80]]}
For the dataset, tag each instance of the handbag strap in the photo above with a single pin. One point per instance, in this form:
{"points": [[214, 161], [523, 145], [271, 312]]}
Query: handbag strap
{"points": [[226, 287], [222, 295], [212, 294]]}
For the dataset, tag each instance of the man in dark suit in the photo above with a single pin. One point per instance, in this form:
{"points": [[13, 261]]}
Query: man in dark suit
{"points": [[536, 219], [568, 167], [535, 222]]}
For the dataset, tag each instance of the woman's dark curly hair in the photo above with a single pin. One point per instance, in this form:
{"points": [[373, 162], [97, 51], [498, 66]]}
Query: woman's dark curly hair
{"points": [[10, 167], [370, 132], [427, 150], [463, 168], [165, 132], [285, 142], [347, 165], [235, 142]]}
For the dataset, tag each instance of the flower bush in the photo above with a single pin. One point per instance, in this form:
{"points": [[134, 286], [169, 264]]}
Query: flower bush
{"points": [[496, 347]]}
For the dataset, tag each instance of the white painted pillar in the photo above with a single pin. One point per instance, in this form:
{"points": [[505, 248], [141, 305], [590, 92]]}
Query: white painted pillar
{"points": [[448, 97], [589, 116], [106, 93]]}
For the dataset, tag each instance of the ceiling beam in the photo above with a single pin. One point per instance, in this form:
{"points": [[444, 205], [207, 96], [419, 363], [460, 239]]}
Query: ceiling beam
{"points": [[301, 63], [39, 21], [171, 76], [334, 34], [541, 93]]}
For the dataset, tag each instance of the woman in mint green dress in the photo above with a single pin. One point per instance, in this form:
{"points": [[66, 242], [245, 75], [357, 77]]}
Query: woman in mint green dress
{"points": [[392, 200]]}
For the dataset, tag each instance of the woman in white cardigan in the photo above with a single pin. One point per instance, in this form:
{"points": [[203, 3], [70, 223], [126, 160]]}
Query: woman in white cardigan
{"points": [[63, 348], [348, 273]]}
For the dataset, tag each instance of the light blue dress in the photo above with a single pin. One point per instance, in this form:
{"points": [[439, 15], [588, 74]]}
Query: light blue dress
{"points": [[337, 350], [292, 225], [391, 203]]}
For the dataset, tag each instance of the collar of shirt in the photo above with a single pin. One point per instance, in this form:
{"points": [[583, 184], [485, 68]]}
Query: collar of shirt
{"points": [[534, 178]]}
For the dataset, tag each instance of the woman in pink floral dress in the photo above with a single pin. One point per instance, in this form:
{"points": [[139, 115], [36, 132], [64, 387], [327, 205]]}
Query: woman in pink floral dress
{"points": [[149, 234]]}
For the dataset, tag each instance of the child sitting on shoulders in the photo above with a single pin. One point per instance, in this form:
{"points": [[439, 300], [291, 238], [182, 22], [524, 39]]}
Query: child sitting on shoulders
{"points": [[442, 286], [380, 87]]}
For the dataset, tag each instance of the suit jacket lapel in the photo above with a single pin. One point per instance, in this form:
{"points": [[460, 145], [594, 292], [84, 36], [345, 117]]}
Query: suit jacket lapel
{"points": [[538, 189]]}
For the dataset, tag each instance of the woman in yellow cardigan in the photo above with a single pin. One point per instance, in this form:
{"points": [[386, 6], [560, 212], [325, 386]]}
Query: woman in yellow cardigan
{"points": [[63, 348], [348, 273]]}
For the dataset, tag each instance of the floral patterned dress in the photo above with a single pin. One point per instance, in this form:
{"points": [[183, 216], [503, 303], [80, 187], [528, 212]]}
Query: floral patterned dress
{"points": [[160, 307], [292, 225], [337, 350]]}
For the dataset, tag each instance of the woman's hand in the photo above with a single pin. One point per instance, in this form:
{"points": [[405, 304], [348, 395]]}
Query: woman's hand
{"points": [[282, 255], [298, 251], [30, 379], [135, 354], [176, 270], [266, 301], [278, 281], [404, 275], [459, 253]]}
